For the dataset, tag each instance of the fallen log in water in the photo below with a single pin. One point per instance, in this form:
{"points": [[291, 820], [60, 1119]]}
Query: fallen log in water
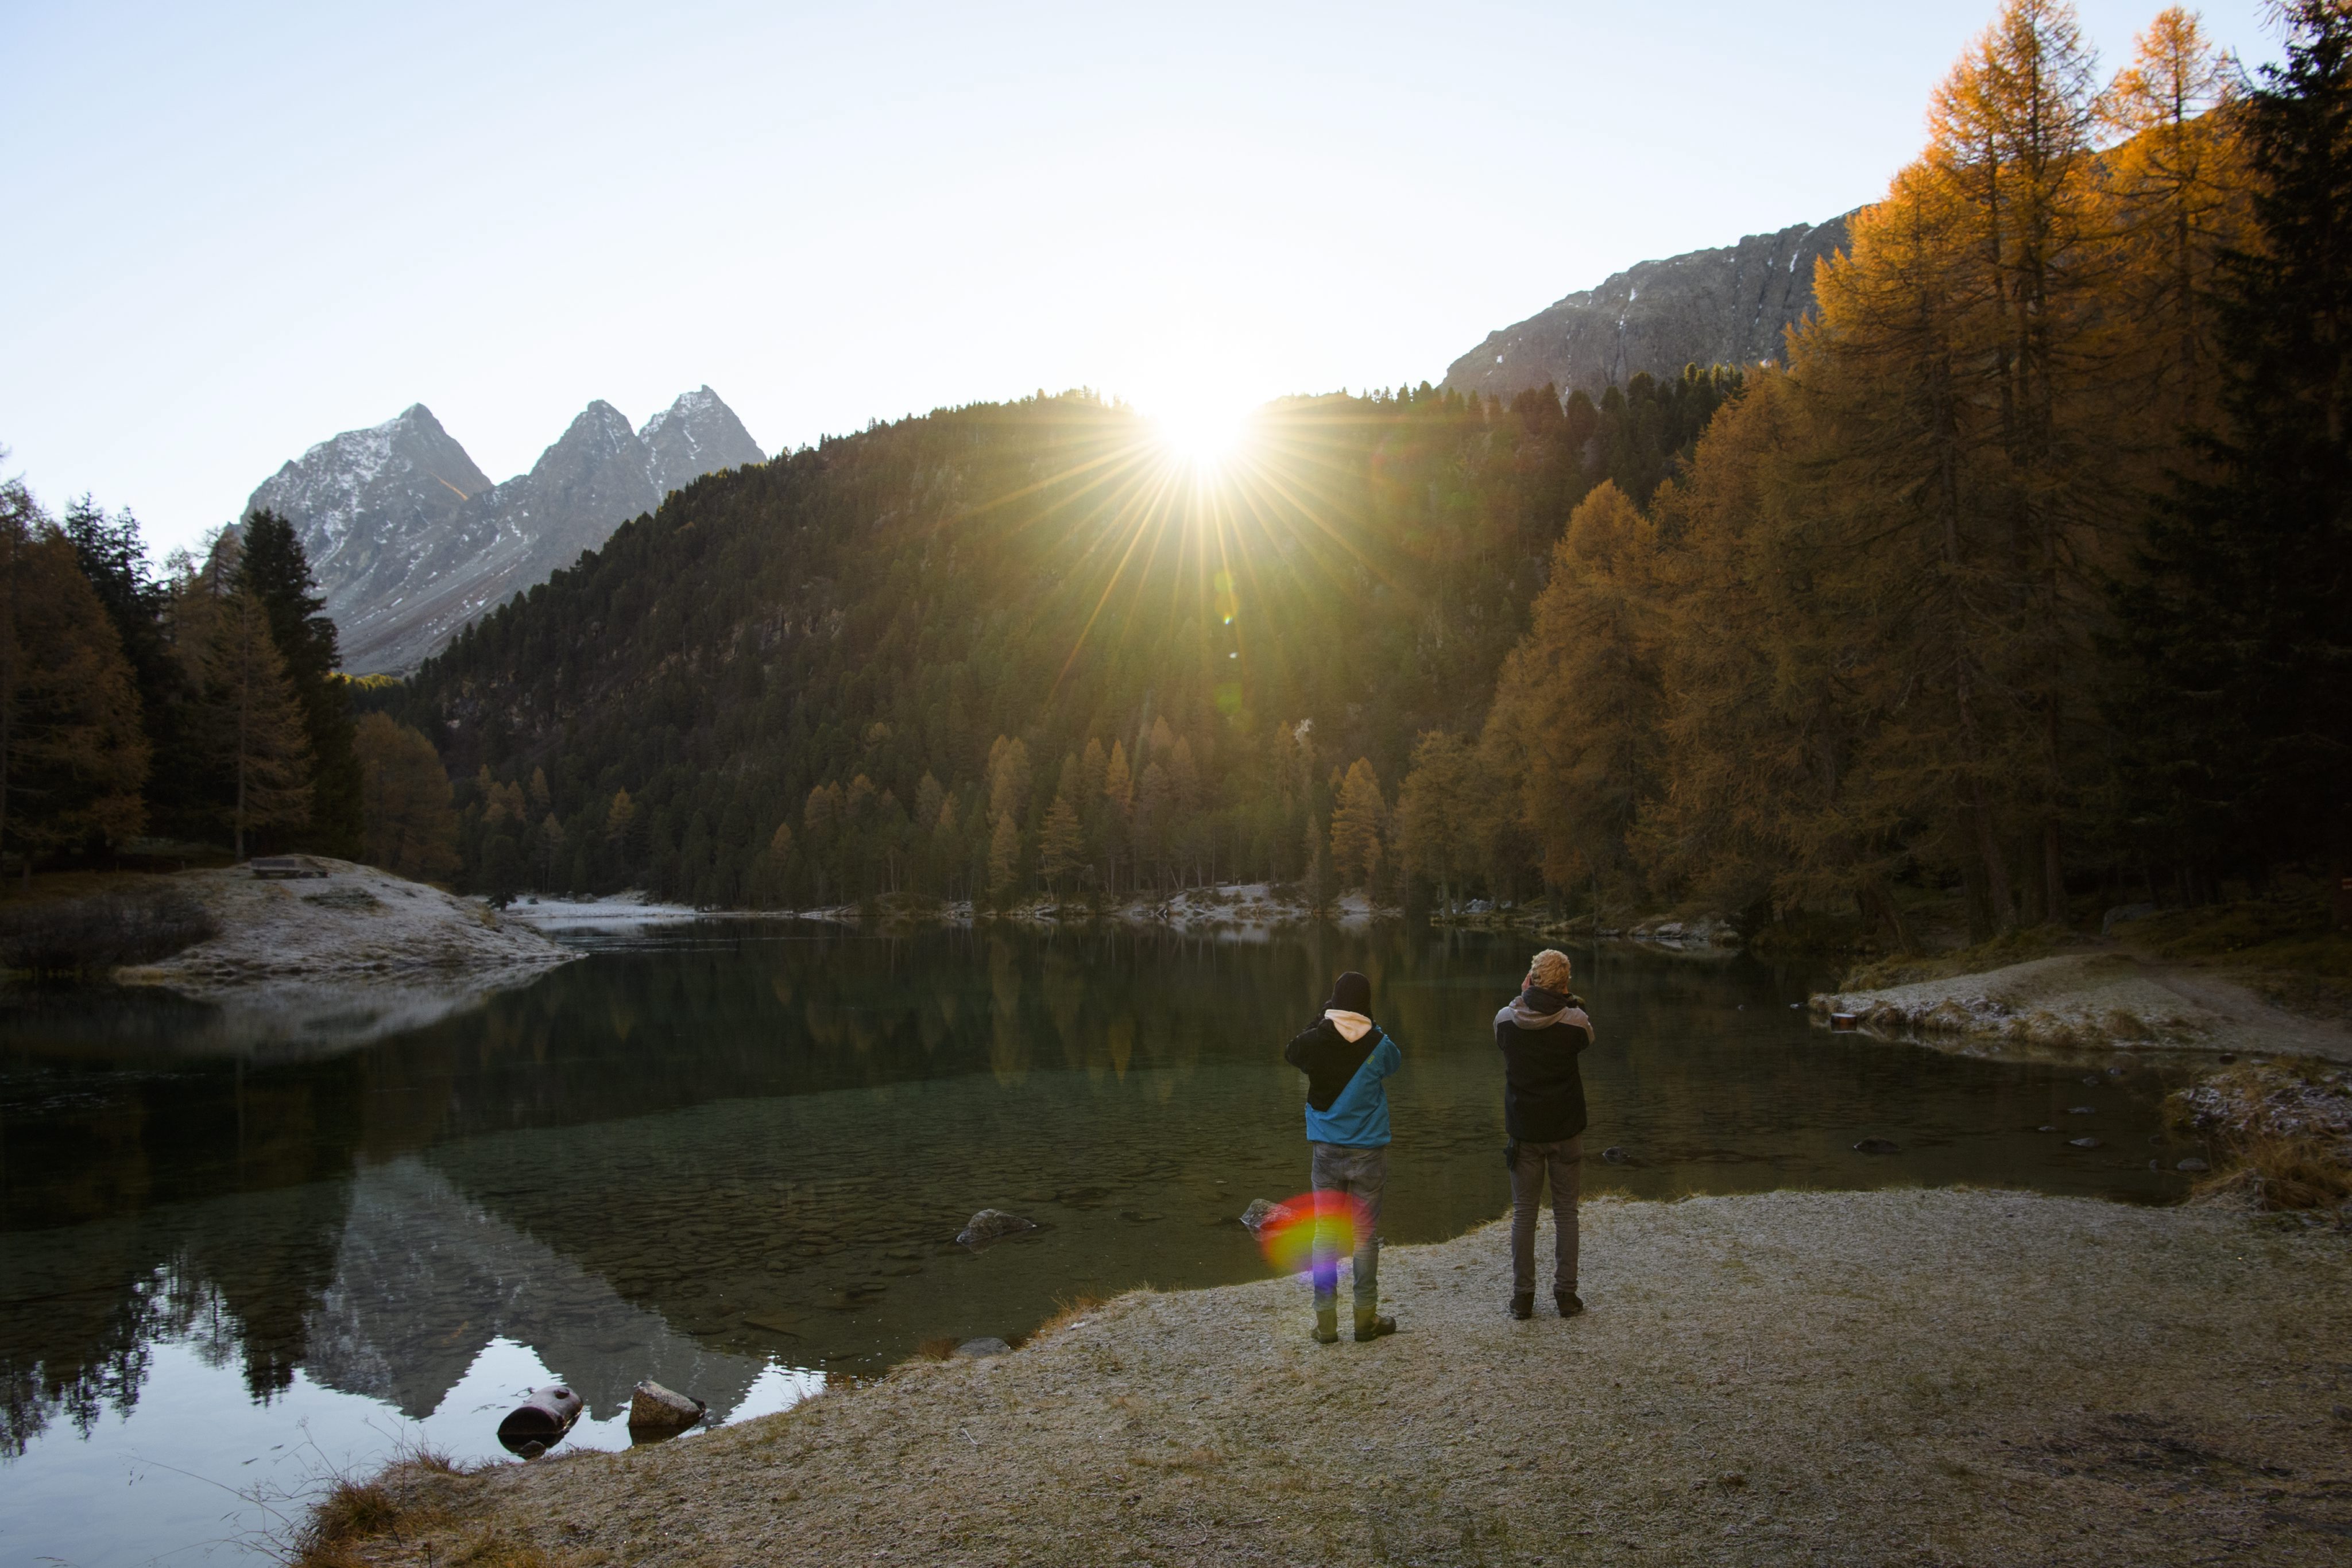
{"points": [[540, 1421]]}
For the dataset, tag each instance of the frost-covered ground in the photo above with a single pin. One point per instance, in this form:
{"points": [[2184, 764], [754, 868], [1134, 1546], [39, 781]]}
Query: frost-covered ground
{"points": [[1931, 1378], [2085, 1000], [616, 909], [355, 923]]}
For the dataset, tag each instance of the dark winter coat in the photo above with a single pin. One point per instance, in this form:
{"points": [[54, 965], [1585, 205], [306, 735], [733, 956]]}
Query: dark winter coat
{"points": [[1540, 1036]]}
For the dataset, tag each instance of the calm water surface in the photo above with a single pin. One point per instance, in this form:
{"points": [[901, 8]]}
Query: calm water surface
{"points": [[733, 1156]]}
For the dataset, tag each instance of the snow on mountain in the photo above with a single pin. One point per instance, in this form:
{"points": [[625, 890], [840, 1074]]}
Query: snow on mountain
{"points": [[410, 541]]}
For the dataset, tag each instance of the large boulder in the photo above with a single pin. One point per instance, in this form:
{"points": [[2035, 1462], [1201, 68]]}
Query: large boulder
{"points": [[654, 1408]]}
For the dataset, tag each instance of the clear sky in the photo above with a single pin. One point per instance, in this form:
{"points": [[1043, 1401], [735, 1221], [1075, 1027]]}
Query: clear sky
{"points": [[236, 229]]}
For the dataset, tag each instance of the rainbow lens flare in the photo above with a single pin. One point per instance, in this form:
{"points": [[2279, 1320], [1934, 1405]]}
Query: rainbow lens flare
{"points": [[1288, 1237]]}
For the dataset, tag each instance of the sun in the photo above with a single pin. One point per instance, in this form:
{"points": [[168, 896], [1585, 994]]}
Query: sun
{"points": [[1204, 435]]}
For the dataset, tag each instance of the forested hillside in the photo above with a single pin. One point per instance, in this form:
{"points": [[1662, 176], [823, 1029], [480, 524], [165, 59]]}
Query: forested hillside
{"points": [[2024, 580], [1016, 645]]}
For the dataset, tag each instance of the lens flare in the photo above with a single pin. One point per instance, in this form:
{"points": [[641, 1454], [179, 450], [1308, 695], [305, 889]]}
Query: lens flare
{"points": [[1288, 1237]]}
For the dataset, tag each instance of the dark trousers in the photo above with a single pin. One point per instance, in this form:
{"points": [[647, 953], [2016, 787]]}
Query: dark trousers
{"points": [[1361, 1174], [1561, 1163]]}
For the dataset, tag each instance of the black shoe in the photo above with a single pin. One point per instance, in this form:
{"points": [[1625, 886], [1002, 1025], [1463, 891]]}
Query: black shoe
{"points": [[1523, 1304], [1569, 1302], [1327, 1326], [1371, 1326]]}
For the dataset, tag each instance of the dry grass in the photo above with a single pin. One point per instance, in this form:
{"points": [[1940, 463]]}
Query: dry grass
{"points": [[1067, 1310], [939, 1347], [2281, 1132], [1918, 1377]]}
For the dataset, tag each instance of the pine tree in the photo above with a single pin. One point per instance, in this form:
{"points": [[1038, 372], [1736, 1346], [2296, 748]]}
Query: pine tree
{"points": [[272, 565], [1436, 815], [1061, 845], [72, 752], [1357, 826], [1578, 708], [113, 557], [1003, 858], [405, 800], [2237, 704], [256, 721]]}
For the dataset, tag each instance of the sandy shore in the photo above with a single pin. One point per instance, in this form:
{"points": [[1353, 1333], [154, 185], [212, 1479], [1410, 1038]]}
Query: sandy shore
{"points": [[1913, 1377]]}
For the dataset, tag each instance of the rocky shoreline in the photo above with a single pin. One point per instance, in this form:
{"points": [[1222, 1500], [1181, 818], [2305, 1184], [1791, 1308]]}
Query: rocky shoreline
{"points": [[1938, 1376]]}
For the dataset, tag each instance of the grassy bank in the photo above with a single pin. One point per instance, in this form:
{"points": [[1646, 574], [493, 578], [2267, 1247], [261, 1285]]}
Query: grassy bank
{"points": [[1917, 1377]]}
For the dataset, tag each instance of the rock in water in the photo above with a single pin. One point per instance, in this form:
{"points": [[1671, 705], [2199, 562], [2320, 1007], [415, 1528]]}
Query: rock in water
{"points": [[2082, 1110], [992, 1225], [1261, 1213], [1614, 1155], [2192, 1164], [1878, 1146], [2083, 1143], [654, 1408], [986, 1345]]}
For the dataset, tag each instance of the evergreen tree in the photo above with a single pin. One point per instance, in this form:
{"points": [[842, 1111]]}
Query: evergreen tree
{"points": [[2238, 700], [272, 564], [1436, 815], [405, 797], [72, 754], [256, 721], [1357, 828], [1061, 843], [113, 557]]}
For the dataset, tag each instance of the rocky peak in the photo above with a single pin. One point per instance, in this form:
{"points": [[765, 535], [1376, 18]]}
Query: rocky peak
{"points": [[347, 491], [1731, 305], [693, 436], [409, 540]]}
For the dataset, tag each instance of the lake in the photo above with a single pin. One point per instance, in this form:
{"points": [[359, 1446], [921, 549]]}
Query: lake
{"points": [[733, 1156]]}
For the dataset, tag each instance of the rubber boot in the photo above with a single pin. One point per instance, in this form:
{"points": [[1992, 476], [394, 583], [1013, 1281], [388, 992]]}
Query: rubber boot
{"points": [[1523, 1304], [1371, 1325], [1569, 1302], [1327, 1325]]}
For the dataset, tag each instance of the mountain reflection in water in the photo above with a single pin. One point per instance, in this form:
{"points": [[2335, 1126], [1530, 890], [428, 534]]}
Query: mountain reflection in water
{"points": [[726, 1151]]}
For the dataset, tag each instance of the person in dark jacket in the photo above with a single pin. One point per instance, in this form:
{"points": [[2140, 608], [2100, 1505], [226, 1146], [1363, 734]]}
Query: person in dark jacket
{"points": [[1541, 1033], [1345, 1057]]}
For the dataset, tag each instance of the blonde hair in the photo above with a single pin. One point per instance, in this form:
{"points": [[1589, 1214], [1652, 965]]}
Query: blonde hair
{"points": [[1550, 970]]}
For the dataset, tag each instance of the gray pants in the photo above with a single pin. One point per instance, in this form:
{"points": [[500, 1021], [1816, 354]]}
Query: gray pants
{"points": [[1562, 1162], [1361, 1174]]}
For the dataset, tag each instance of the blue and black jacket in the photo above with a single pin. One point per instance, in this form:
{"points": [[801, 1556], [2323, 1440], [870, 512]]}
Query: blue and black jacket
{"points": [[1347, 1104]]}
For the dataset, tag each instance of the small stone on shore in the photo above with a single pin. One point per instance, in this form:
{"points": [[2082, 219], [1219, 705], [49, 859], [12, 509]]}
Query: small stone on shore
{"points": [[986, 1345], [992, 1225], [1262, 1213]]}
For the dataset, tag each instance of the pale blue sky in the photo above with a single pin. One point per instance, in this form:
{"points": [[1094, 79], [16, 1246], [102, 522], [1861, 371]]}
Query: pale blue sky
{"points": [[238, 228]]}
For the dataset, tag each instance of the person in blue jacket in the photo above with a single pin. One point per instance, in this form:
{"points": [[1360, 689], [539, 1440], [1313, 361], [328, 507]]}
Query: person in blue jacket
{"points": [[1345, 1056]]}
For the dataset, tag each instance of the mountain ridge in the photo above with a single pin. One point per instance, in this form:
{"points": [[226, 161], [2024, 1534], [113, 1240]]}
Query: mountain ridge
{"points": [[1728, 305], [410, 540]]}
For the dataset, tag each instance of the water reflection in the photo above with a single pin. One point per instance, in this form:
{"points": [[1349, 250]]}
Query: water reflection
{"points": [[732, 1157]]}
